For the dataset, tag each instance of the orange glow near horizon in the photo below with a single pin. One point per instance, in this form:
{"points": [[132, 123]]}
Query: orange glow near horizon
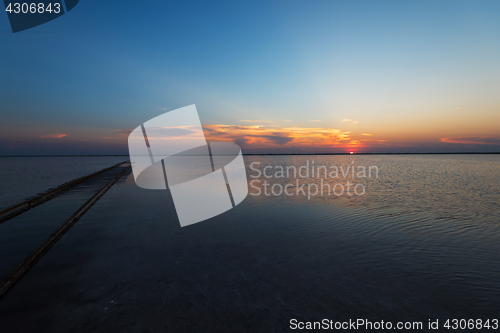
{"points": [[54, 136], [258, 136], [270, 136], [275, 137]]}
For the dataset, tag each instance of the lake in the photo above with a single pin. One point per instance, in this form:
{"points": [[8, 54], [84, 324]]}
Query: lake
{"points": [[24, 177], [422, 242]]}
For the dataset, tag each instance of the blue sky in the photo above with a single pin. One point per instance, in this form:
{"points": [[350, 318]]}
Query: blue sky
{"points": [[412, 75]]}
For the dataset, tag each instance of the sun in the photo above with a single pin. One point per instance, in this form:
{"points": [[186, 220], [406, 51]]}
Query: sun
{"points": [[351, 152]]}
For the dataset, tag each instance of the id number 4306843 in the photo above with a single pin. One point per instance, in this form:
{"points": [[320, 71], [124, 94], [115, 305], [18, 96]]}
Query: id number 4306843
{"points": [[40, 8], [471, 324]]}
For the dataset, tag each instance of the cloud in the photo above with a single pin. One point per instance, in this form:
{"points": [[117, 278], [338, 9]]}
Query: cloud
{"points": [[315, 121], [172, 132], [187, 132], [159, 133], [353, 122], [55, 136], [257, 121], [278, 139], [258, 136], [374, 143], [367, 134], [123, 130], [472, 140]]}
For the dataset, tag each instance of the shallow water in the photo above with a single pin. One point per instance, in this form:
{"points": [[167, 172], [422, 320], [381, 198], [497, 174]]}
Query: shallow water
{"points": [[421, 243], [24, 177]]}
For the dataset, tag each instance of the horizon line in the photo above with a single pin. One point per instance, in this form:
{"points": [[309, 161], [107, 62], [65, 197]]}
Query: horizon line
{"points": [[256, 154]]}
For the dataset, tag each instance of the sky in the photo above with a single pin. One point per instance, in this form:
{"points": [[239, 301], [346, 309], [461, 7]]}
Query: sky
{"points": [[273, 76]]}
